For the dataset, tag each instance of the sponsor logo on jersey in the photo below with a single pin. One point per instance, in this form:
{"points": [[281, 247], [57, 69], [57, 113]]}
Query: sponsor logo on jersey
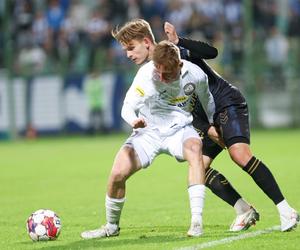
{"points": [[189, 88], [179, 101], [140, 91]]}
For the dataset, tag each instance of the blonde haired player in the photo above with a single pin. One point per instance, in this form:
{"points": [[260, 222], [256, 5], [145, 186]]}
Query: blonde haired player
{"points": [[158, 107]]}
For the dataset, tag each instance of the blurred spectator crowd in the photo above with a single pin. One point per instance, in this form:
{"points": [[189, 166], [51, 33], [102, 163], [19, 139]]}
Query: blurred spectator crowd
{"points": [[74, 36]]}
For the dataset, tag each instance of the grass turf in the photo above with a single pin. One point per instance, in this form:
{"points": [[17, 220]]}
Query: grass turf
{"points": [[69, 175]]}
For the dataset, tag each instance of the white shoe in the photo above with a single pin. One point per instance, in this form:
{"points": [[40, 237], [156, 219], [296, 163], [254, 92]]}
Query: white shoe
{"points": [[245, 220], [102, 232], [195, 229], [289, 221]]}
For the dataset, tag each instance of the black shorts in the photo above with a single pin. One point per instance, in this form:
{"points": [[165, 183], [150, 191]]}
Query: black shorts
{"points": [[210, 148], [233, 124]]}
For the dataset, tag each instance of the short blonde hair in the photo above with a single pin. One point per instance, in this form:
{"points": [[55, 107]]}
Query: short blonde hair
{"points": [[136, 29], [166, 54]]}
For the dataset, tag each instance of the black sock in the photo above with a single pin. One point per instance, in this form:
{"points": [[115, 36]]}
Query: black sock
{"points": [[220, 186], [264, 179]]}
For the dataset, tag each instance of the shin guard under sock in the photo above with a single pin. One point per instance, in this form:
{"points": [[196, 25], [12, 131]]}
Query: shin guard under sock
{"points": [[220, 186], [264, 179]]}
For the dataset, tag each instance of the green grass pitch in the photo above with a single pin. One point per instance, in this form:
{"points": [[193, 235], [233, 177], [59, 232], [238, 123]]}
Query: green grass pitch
{"points": [[69, 175]]}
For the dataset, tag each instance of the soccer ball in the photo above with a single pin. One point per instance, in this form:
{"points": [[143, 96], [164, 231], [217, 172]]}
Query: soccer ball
{"points": [[43, 224]]}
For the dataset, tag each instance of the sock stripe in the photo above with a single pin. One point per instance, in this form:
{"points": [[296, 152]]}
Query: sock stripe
{"points": [[254, 167], [208, 173], [256, 161]]}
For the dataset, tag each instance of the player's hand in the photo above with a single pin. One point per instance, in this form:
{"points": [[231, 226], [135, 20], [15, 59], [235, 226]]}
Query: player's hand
{"points": [[215, 136], [171, 33], [139, 123]]}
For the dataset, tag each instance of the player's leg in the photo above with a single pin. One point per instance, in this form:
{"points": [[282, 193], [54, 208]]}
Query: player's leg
{"points": [[246, 215], [126, 164], [192, 152], [263, 177], [135, 154], [234, 125], [196, 188], [190, 149], [215, 180]]}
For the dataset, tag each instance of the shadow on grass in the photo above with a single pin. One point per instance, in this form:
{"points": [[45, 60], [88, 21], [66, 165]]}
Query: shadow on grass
{"points": [[143, 236], [117, 242]]}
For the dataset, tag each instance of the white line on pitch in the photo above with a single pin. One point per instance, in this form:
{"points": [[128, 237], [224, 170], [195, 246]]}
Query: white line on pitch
{"points": [[230, 239]]}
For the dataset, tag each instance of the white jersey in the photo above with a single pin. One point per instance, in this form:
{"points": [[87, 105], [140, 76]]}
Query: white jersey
{"points": [[167, 107]]}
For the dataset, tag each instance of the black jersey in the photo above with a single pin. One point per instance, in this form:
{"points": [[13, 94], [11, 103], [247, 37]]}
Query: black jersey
{"points": [[231, 111], [224, 93]]}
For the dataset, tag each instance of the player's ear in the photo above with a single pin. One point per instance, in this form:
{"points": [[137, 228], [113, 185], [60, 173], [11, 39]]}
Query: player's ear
{"points": [[147, 42]]}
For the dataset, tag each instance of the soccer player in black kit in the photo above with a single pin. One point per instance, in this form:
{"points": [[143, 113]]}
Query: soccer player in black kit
{"points": [[231, 128]]}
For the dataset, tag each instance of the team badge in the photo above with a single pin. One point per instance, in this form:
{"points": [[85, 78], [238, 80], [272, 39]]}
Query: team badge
{"points": [[189, 88]]}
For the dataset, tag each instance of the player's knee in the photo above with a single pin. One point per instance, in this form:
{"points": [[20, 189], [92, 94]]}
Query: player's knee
{"points": [[120, 172], [117, 175], [193, 146], [240, 154]]}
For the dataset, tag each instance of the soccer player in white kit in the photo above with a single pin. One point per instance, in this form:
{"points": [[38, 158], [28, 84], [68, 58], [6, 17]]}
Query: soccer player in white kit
{"points": [[158, 107]]}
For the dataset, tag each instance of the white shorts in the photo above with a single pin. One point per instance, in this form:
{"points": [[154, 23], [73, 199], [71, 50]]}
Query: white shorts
{"points": [[148, 143]]}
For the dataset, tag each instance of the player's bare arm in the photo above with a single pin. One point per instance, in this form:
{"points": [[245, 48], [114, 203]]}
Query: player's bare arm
{"points": [[215, 136]]}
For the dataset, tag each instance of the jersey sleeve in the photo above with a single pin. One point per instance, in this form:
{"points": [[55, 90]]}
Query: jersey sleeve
{"points": [[134, 99], [204, 95], [198, 49]]}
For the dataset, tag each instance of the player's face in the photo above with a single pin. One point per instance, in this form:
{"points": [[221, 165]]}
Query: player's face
{"points": [[167, 75], [137, 51]]}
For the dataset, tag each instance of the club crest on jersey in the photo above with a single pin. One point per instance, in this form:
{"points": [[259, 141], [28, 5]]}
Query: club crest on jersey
{"points": [[189, 88]]}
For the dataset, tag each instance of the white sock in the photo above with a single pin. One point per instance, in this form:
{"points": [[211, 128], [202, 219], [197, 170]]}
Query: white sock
{"points": [[196, 195], [283, 207], [113, 211], [241, 206]]}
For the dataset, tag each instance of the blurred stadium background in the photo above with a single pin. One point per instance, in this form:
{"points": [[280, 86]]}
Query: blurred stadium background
{"points": [[62, 73]]}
